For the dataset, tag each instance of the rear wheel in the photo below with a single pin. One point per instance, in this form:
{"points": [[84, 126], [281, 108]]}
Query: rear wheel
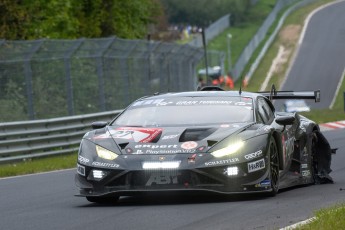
{"points": [[103, 200], [274, 167]]}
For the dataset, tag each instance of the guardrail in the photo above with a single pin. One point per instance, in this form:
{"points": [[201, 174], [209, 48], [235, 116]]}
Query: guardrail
{"points": [[39, 138]]}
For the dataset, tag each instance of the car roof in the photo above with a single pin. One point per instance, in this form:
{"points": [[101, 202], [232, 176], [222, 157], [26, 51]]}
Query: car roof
{"points": [[203, 94]]}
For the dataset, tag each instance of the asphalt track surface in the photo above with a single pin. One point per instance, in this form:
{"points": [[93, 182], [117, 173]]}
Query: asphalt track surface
{"points": [[46, 201], [320, 60]]}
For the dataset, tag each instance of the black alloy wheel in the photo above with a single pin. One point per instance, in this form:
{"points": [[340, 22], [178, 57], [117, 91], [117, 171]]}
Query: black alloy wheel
{"points": [[274, 167], [313, 158]]}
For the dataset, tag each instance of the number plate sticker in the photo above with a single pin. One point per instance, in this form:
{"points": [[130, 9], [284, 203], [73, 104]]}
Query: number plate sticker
{"points": [[256, 165]]}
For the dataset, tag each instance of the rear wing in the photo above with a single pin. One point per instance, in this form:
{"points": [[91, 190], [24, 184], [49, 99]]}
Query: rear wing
{"points": [[273, 94]]}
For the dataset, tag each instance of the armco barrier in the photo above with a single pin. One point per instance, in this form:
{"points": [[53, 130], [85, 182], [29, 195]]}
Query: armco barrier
{"points": [[30, 139]]}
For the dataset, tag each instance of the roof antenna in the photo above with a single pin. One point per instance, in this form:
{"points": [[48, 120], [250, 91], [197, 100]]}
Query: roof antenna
{"points": [[240, 92]]}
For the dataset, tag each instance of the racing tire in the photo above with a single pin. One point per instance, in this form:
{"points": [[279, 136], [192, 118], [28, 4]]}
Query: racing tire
{"points": [[103, 200], [273, 167], [313, 159]]}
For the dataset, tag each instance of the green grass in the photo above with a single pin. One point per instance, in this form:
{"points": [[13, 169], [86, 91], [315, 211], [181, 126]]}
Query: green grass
{"points": [[327, 219], [242, 34], [38, 165]]}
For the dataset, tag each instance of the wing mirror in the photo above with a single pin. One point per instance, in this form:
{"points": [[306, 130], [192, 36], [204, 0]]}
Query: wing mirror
{"points": [[285, 120], [99, 124]]}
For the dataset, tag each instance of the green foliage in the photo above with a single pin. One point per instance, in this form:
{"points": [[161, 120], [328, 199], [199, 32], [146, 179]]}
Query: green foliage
{"points": [[68, 19], [204, 12]]}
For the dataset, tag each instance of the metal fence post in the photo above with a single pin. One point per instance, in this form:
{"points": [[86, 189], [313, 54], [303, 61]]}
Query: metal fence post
{"points": [[28, 79], [100, 74], [69, 84]]}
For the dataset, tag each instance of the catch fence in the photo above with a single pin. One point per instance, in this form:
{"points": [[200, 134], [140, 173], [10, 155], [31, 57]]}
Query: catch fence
{"points": [[45, 78]]}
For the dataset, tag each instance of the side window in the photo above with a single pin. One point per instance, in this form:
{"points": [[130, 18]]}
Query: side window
{"points": [[265, 111]]}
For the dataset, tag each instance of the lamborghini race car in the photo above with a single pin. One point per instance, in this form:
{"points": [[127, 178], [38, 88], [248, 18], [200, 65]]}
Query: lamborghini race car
{"points": [[228, 142]]}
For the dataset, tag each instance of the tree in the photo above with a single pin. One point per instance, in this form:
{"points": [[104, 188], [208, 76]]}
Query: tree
{"points": [[204, 12], [34, 19]]}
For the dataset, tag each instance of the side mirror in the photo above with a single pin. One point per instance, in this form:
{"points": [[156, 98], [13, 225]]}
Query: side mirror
{"points": [[99, 124], [285, 120]]}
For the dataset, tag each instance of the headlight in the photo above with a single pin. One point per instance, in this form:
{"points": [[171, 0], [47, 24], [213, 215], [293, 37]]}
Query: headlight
{"points": [[105, 154], [230, 149]]}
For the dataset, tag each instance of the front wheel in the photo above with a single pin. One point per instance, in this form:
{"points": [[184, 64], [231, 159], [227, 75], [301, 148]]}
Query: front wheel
{"points": [[274, 167]]}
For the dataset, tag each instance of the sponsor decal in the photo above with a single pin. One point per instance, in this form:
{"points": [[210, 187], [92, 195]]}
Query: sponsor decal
{"points": [[167, 137], [83, 160], [256, 165], [214, 102], [192, 159], [143, 135], [139, 151], [162, 179], [189, 145], [148, 102], [161, 149], [187, 102], [81, 170], [222, 162], [154, 146], [264, 183], [304, 166], [169, 151], [102, 164], [201, 148], [306, 173], [129, 150], [102, 136], [253, 155]]}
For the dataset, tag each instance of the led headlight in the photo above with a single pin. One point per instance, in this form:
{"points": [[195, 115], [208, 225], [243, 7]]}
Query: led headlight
{"points": [[105, 154], [230, 149]]}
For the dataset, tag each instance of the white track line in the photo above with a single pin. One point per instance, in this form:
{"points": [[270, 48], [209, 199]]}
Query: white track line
{"points": [[337, 90], [291, 227]]}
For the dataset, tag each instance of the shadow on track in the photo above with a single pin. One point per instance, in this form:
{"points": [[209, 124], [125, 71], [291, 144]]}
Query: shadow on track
{"points": [[173, 199]]}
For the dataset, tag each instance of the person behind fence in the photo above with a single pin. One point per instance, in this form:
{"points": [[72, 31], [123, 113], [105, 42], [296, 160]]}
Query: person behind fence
{"points": [[201, 83]]}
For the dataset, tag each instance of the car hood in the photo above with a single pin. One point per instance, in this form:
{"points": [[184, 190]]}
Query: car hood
{"points": [[163, 140]]}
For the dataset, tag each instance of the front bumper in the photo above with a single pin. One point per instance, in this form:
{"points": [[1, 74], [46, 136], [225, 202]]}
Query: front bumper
{"points": [[122, 182]]}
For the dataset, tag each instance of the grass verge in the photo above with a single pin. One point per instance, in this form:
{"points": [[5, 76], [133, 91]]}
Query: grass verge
{"points": [[327, 219], [37, 165]]}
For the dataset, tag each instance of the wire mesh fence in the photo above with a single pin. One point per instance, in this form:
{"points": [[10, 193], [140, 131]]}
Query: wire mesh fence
{"points": [[53, 78]]}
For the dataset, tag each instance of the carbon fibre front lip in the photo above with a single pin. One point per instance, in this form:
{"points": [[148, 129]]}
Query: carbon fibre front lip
{"points": [[174, 191]]}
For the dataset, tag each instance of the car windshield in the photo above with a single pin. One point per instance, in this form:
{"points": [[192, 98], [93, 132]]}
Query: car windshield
{"points": [[194, 111]]}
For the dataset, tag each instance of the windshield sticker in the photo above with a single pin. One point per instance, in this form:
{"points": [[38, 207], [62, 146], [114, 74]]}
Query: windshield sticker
{"points": [[189, 145], [233, 101], [148, 102]]}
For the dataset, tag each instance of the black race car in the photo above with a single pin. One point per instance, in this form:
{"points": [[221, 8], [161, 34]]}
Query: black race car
{"points": [[228, 142]]}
